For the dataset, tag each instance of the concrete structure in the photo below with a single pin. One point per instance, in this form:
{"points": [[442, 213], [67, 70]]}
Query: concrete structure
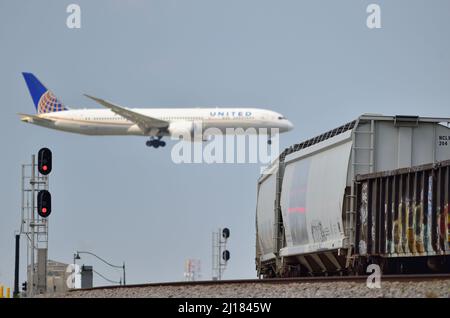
{"points": [[86, 276], [57, 276]]}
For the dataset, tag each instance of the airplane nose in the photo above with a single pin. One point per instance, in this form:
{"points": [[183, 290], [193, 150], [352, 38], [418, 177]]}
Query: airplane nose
{"points": [[289, 125]]}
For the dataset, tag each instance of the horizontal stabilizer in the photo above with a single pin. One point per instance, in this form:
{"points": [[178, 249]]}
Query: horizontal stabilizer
{"points": [[34, 119]]}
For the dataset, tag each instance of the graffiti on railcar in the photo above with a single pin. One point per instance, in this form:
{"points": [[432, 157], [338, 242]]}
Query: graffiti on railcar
{"points": [[363, 210], [412, 210], [405, 215], [296, 203], [420, 248], [319, 232], [427, 223], [397, 226], [444, 227]]}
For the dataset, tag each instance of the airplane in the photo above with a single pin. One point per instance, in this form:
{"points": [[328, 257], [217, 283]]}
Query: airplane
{"points": [[154, 123]]}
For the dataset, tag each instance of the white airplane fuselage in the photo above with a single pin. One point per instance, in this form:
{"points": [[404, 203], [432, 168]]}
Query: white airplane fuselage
{"points": [[106, 122]]}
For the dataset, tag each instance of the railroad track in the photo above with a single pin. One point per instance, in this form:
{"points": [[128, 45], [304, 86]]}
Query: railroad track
{"points": [[316, 279]]}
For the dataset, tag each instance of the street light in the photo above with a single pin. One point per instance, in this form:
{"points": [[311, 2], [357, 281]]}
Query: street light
{"points": [[77, 256], [107, 279]]}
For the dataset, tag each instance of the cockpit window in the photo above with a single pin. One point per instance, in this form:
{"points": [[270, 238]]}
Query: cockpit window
{"points": [[281, 117]]}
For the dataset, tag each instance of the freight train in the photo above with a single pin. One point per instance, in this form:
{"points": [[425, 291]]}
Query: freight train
{"points": [[373, 191]]}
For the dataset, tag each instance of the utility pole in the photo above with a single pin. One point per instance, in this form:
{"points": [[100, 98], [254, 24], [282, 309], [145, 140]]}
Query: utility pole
{"points": [[31, 283], [16, 266]]}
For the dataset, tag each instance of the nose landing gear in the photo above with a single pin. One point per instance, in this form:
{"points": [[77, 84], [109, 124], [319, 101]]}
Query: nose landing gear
{"points": [[155, 142]]}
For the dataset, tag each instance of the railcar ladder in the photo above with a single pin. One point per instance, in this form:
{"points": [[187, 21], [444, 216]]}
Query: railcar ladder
{"points": [[278, 232], [350, 228]]}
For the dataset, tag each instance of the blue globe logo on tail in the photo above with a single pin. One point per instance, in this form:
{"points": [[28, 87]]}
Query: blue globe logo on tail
{"points": [[48, 103], [43, 99]]}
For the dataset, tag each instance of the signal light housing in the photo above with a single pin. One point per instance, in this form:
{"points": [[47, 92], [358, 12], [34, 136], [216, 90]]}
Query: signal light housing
{"points": [[44, 203], [226, 233], [44, 161], [226, 255]]}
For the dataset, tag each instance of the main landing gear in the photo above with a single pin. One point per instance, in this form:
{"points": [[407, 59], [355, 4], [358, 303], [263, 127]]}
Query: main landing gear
{"points": [[155, 142]]}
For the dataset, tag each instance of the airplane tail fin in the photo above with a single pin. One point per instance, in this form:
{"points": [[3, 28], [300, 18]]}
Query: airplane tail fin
{"points": [[43, 99]]}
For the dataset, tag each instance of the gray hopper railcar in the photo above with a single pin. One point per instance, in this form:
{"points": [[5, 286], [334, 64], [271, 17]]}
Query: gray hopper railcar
{"points": [[374, 190]]}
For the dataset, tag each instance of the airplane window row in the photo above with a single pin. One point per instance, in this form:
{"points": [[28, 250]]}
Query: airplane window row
{"points": [[165, 118], [181, 118], [105, 118]]}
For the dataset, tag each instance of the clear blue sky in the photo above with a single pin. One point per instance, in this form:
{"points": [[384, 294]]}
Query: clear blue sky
{"points": [[314, 61]]}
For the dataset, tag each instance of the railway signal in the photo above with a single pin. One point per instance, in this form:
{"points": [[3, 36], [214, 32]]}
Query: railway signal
{"points": [[226, 233], [221, 255], [44, 203], [226, 255], [44, 161], [35, 182]]}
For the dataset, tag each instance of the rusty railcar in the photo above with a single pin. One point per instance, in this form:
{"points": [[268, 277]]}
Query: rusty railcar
{"points": [[374, 190]]}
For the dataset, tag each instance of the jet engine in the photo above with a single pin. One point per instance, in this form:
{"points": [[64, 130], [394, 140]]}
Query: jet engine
{"points": [[186, 130]]}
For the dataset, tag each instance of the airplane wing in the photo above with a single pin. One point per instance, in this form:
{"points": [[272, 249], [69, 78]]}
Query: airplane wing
{"points": [[146, 123], [34, 119]]}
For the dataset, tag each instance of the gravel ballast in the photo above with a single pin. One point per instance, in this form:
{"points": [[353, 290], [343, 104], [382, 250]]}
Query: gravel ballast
{"points": [[389, 289]]}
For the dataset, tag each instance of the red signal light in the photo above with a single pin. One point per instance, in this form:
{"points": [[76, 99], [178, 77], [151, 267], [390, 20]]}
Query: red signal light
{"points": [[44, 203], [44, 161]]}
